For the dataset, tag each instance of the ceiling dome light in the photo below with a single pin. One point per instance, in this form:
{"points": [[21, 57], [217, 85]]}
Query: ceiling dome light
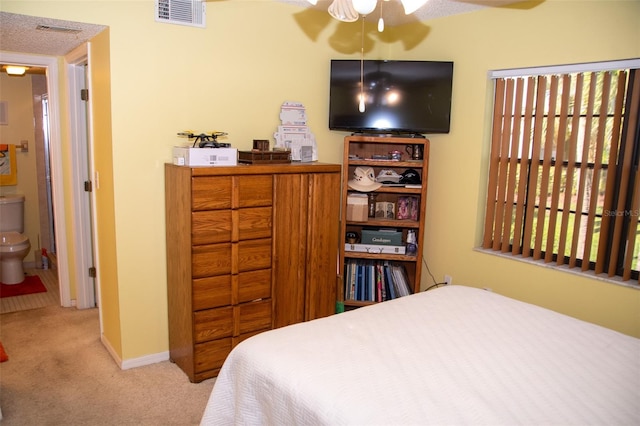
{"points": [[15, 70], [364, 7], [411, 6]]}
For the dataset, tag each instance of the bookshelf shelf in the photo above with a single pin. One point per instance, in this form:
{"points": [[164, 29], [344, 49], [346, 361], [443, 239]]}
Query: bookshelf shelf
{"points": [[376, 256], [392, 223], [369, 269]]}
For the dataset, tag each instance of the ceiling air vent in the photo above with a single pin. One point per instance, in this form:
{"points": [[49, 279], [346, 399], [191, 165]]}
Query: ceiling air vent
{"points": [[181, 12], [58, 29]]}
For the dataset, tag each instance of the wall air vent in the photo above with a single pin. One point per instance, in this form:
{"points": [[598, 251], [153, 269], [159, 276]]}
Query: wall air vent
{"points": [[181, 12]]}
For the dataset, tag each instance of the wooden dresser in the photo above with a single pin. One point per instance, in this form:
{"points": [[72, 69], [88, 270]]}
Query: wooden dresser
{"points": [[249, 248]]}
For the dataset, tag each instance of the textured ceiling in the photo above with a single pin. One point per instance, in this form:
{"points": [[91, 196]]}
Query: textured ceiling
{"points": [[20, 33]]}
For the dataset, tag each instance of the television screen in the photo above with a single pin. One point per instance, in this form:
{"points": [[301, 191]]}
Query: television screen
{"points": [[400, 96]]}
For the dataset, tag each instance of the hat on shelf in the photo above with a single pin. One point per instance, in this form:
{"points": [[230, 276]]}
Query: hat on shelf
{"points": [[388, 176], [364, 180], [410, 176]]}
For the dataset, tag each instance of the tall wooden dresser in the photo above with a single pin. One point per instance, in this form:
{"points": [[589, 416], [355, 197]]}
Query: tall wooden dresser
{"points": [[249, 248]]}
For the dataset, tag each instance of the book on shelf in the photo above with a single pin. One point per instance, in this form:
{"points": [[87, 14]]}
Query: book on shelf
{"points": [[390, 286], [375, 280], [382, 294], [400, 280]]}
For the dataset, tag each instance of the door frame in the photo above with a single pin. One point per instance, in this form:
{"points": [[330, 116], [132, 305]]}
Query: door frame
{"points": [[55, 146]]}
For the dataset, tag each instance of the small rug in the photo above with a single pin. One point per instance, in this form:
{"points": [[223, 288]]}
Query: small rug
{"points": [[3, 355], [31, 284]]}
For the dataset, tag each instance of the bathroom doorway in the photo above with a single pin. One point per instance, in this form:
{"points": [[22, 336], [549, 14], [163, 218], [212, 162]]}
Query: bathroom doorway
{"points": [[50, 64]]}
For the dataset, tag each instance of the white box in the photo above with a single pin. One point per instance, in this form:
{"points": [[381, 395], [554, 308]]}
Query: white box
{"points": [[357, 208], [185, 156], [375, 249]]}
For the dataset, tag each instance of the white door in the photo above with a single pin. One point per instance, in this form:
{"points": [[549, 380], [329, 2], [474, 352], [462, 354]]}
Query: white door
{"points": [[82, 182]]}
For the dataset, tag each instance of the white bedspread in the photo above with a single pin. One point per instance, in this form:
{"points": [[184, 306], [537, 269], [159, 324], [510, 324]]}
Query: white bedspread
{"points": [[451, 356]]}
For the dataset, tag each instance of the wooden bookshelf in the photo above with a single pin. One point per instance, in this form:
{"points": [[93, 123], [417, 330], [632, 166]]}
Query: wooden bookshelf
{"points": [[359, 151]]}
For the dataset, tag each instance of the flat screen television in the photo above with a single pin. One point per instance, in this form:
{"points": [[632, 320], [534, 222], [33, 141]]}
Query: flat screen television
{"points": [[401, 97]]}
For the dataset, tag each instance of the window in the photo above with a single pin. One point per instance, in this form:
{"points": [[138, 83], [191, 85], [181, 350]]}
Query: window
{"points": [[564, 185]]}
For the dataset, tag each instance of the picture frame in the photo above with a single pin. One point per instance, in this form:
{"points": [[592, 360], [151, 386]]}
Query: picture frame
{"points": [[8, 165]]}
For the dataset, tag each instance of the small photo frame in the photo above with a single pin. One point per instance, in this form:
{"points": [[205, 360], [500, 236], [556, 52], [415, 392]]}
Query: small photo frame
{"points": [[408, 208]]}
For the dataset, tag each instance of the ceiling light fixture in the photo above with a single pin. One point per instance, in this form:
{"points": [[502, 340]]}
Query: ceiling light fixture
{"points": [[349, 10], [15, 69], [343, 10], [364, 7]]}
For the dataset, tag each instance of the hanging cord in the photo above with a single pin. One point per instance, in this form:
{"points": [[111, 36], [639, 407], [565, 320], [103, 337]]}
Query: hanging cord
{"points": [[361, 106]]}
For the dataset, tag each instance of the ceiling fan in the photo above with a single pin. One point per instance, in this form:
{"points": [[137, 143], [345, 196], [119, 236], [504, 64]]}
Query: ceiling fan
{"points": [[401, 12]]}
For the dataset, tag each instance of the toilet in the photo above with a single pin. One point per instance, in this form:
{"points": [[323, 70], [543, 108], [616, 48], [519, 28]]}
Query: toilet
{"points": [[14, 246]]}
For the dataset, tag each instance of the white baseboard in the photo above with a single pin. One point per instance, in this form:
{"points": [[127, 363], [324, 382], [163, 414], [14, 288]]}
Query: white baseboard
{"points": [[134, 362], [111, 351], [145, 360]]}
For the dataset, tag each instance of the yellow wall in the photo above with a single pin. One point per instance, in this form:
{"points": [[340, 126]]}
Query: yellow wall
{"points": [[254, 55], [106, 253], [554, 32]]}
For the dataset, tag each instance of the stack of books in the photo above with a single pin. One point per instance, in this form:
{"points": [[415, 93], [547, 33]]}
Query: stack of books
{"points": [[375, 280]]}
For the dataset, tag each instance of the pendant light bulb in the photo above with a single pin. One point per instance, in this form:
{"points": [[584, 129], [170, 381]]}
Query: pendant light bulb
{"points": [[364, 7], [380, 25], [361, 103]]}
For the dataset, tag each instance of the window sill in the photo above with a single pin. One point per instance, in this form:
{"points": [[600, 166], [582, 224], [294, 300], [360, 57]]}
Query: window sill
{"points": [[563, 268]]}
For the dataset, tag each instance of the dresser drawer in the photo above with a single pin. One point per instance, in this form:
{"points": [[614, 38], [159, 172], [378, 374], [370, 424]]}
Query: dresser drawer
{"points": [[253, 223], [253, 316], [212, 292], [253, 254], [209, 260], [229, 321], [211, 192], [211, 355], [213, 324], [254, 191], [211, 226], [254, 285]]}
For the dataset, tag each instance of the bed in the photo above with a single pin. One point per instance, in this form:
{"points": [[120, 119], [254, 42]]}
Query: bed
{"points": [[455, 355]]}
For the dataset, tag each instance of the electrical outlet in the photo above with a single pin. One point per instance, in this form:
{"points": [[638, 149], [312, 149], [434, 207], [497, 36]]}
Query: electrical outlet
{"points": [[448, 279]]}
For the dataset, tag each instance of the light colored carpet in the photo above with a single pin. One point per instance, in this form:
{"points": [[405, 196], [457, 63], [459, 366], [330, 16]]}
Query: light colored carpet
{"points": [[59, 373]]}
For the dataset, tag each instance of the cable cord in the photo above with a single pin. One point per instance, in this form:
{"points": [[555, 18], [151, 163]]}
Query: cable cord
{"points": [[435, 283]]}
